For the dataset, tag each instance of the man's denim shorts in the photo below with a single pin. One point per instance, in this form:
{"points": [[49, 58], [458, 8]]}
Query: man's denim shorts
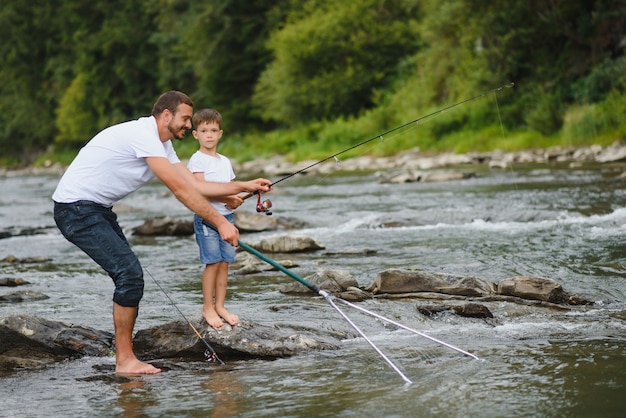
{"points": [[94, 229]]}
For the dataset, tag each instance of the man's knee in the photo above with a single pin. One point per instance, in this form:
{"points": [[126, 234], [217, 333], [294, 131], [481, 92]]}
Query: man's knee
{"points": [[128, 296], [129, 287]]}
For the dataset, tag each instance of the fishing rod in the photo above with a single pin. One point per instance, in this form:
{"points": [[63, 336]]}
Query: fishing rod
{"points": [[209, 352], [331, 300], [265, 205]]}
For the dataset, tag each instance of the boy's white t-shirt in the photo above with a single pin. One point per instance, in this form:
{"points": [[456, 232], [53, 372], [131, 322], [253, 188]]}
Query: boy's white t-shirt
{"points": [[112, 165], [217, 169]]}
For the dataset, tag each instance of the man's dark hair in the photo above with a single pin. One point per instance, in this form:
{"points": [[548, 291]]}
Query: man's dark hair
{"points": [[170, 101]]}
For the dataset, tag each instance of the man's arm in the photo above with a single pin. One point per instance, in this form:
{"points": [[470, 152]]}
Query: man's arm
{"points": [[186, 193], [210, 189]]}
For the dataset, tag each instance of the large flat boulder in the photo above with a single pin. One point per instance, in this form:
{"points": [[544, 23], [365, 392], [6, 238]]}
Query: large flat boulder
{"points": [[29, 341], [245, 340], [411, 281], [287, 244]]}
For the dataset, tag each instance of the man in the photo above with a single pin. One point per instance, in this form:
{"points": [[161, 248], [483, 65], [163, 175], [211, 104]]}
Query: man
{"points": [[114, 163]]}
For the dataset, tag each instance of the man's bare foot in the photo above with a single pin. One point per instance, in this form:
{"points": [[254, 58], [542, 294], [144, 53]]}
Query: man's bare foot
{"points": [[134, 366], [212, 318], [231, 318]]}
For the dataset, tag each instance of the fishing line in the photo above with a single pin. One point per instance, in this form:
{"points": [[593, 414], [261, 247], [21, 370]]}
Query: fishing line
{"points": [[380, 136], [209, 352], [495, 99], [508, 165], [331, 300]]}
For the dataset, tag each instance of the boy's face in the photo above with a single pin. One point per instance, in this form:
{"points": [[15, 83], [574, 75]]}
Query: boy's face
{"points": [[208, 134]]}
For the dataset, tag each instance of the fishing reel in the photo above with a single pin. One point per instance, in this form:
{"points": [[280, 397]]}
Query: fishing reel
{"points": [[211, 356], [263, 206]]}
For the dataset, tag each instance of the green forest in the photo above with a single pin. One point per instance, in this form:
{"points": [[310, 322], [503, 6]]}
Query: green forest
{"points": [[305, 78]]}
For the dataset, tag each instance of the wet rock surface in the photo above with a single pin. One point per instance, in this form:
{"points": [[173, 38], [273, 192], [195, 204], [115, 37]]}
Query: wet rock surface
{"points": [[287, 244], [245, 221], [32, 342], [244, 341]]}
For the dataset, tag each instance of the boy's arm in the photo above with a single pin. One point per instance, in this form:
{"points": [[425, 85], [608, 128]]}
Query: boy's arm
{"points": [[232, 201]]}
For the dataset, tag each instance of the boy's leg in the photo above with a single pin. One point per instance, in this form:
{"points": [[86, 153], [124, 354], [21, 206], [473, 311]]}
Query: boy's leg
{"points": [[221, 283], [209, 279]]}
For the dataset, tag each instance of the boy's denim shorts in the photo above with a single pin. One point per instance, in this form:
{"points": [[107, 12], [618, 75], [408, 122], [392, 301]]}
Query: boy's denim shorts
{"points": [[94, 229], [213, 249]]}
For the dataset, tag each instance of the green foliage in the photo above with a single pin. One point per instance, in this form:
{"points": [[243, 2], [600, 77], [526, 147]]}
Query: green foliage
{"points": [[76, 121], [70, 59], [544, 116], [30, 34], [599, 123], [603, 78], [330, 57], [223, 46], [117, 61], [329, 74]]}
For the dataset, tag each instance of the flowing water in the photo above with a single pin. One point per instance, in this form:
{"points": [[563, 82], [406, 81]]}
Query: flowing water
{"points": [[567, 224]]}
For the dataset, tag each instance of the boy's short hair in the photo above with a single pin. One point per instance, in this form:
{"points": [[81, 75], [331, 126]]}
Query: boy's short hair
{"points": [[207, 116], [170, 101]]}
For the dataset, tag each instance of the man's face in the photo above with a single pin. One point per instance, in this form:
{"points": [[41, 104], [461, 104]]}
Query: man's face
{"points": [[181, 121]]}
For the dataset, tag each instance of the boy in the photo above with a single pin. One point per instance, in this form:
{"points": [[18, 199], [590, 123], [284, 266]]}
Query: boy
{"points": [[208, 165]]}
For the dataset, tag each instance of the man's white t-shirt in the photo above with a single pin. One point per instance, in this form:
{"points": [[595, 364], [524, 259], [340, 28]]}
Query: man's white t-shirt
{"points": [[112, 165], [217, 169]]}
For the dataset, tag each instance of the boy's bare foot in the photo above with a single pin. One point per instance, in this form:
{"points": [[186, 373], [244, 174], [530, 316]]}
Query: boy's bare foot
{"points": [[232, 319], [134, 366], [212, 318]]}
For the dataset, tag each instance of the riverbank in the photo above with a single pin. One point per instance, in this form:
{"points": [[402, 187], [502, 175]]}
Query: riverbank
{"points": [[412, 159]]}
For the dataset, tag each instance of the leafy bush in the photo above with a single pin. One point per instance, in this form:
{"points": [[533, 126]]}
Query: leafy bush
{"points": [[75, 119], [602, 80], [330, 58]]}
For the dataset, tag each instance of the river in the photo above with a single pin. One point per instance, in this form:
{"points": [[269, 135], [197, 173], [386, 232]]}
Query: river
{"points": [[551, 221]]}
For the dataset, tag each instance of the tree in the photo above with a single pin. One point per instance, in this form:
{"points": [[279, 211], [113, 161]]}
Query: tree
{"points": [[31, 34], [543, 46], [223, 44], [330, 57], [114, 76], [72, 67]]}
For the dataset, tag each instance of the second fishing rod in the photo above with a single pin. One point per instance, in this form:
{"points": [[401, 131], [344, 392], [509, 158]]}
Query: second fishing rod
{"points": [[264, 206]]}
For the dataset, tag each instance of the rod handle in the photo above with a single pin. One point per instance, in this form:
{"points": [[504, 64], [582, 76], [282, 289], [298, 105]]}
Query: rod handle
{"points": [[248, 195]]}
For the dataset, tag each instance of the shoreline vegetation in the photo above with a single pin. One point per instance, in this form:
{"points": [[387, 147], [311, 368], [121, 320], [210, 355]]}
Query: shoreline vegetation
{"points": [[306, 78]]}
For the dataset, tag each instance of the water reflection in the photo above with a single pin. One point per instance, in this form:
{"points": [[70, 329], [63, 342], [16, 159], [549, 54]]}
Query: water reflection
{"points": [[135, 397], [224, 389]]}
